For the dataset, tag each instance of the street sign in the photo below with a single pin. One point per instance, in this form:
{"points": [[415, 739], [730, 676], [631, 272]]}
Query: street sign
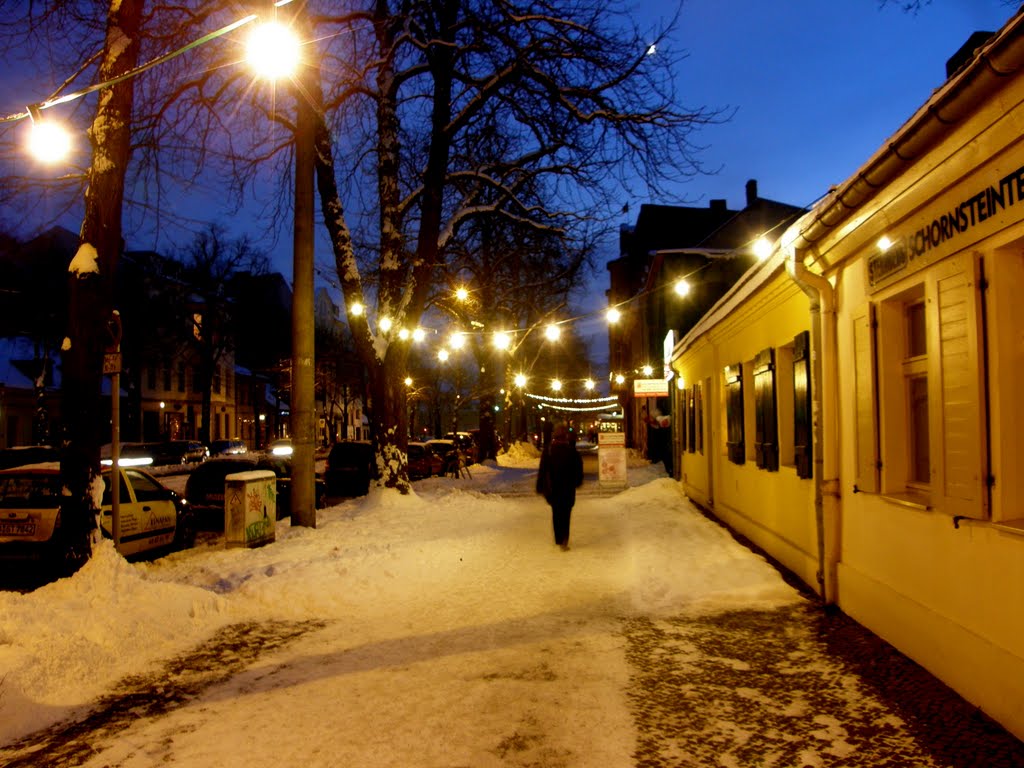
{"points": [[111, 363]]}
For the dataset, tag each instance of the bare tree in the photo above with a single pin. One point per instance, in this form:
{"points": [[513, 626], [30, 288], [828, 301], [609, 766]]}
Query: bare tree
{"points": [[211, 265], [92, 326], [570, 93], [432, 114]]}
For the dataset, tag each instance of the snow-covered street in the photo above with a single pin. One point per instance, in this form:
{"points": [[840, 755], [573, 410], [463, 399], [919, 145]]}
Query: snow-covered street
{"points": [[443, 628]]}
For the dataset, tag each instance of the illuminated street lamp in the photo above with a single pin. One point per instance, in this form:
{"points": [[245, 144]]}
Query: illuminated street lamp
{"points": [[552, 332], [275, 52], [48, 142], [682, 288], [613, 315]]}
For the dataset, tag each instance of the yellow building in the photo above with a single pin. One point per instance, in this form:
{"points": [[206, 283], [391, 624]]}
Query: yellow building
{"points": [[853, 404]]}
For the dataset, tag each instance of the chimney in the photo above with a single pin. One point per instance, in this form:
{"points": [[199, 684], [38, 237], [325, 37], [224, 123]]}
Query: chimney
{"points": [[751, 192]]}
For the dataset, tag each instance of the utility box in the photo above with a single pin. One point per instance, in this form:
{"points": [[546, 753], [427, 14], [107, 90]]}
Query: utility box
{"points": [[250, 508]]}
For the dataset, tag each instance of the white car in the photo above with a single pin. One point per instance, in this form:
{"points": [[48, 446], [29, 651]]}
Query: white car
{"points": [[154, 518]]}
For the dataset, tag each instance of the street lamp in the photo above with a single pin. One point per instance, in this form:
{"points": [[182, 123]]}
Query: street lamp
{"points": [[277, 52]]}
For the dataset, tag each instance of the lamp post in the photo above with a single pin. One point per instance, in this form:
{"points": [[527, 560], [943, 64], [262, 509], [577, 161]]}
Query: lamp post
{"points": [[302, 405]]}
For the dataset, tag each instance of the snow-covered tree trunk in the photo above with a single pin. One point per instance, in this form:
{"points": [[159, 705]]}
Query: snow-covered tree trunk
{"points": [[92, 274]]}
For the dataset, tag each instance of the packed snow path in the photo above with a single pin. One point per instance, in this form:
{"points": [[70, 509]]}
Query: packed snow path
{"points": [[446, 629]]}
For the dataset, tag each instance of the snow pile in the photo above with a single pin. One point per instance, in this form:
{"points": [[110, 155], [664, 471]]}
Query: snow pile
{"points": [[459, 572]]}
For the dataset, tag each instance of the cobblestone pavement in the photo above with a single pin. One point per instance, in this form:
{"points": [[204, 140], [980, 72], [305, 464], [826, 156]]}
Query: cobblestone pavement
{"points": [[796, 687]]}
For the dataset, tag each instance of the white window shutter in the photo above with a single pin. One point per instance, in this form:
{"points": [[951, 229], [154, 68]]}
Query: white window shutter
{"points": [[962, 474], [865, 400]]}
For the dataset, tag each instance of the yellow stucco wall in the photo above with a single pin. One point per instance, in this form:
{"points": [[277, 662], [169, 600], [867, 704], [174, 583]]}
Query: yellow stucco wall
{"points": [[951, 597], [775, 510]]}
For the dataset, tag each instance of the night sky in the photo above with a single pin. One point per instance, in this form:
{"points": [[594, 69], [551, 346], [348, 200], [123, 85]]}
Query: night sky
{"points": [[817, 85]]}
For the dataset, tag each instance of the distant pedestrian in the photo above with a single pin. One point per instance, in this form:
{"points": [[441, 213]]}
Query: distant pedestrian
{"points": [[560, 474]]}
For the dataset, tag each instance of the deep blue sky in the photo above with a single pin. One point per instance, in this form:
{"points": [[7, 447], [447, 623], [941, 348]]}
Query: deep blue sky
{"points": [[818, 85]]}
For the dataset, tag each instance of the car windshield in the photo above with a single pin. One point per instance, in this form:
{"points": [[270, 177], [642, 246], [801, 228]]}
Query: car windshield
{"points": [[30, 490], [350, 452]]}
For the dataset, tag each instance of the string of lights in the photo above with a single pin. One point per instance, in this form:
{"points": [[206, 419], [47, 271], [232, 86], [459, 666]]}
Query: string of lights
{"points": [[580, 401], [576, 409], [503, 339], [33, 110]]}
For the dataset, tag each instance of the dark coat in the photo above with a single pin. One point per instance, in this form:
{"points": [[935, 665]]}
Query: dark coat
{"points": [[560, 474]]}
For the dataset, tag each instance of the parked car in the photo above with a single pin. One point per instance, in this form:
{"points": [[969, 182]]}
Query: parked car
{"points": [[350, 467], [449, 452], [423, 462], [19, 456], [154, 519], [228, 447], [204, 489], [179, 452]]}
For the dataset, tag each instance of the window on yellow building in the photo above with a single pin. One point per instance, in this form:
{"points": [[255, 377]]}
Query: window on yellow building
{"points": [[734, 413], [919, 393], [766, 427]]}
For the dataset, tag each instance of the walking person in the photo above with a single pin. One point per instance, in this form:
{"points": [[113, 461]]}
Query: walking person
{"points": [[560, 474]]}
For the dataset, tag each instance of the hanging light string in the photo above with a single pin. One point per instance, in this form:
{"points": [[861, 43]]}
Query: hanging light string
{"points": [[581, 401], [53, 101], [576, 409]]}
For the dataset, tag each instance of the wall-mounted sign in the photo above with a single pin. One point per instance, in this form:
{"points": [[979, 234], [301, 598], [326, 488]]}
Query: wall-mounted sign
{"points": [[915, 250], [650, 388]]}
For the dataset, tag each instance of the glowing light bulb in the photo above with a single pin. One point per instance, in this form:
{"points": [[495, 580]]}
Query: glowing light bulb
{"points": [[442, 355], [273, 51], [502, 340], [556, 385], [613, 315], [648, 370], [457, 341], [552, 332], [520, 380], [356, 309], [385, 324], [589, 384], [682, 288], [49, 142], [418, 334], [461, 294], [762, 248]]}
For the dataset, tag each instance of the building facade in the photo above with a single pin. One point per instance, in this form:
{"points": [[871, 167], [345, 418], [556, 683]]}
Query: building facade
{"points": [[852, 404], [706, 249]]}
